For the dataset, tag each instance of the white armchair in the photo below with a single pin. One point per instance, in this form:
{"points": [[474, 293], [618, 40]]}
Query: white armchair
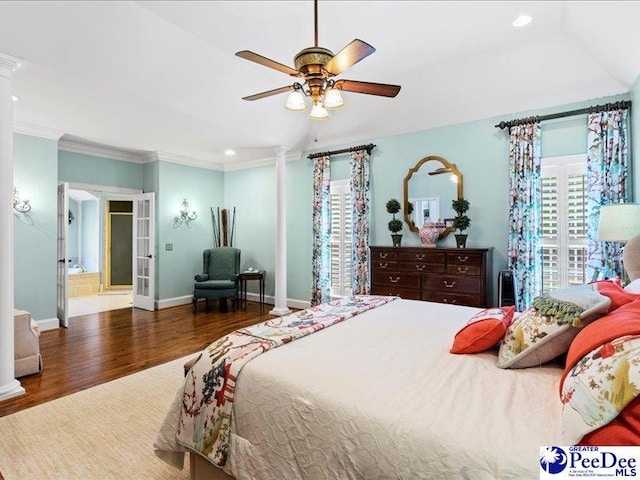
{"points": [[27, 344]]}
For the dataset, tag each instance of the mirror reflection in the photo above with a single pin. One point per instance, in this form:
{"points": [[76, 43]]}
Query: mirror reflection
{"points": [[429, 189]]}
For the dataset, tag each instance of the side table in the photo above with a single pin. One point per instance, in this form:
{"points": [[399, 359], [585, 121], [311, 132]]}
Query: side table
{"points": [[243, 277]]}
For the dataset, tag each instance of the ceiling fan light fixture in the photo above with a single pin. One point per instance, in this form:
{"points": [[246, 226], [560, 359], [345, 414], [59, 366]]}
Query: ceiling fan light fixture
{"points": [[318, 112], [333, 99], [295, 101]]}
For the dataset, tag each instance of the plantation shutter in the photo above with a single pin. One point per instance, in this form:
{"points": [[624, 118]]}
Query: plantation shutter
{"points": [[340, 239], [563, 221]]}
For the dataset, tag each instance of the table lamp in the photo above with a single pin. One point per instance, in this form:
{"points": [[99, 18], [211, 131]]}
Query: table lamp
{"points": [[620, 222]]}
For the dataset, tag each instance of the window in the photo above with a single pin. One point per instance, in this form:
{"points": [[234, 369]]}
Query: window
{"points": [[340, 238], [563, 221]]}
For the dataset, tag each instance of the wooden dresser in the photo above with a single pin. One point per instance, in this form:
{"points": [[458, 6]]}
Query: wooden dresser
{"points": [[445, 275]]}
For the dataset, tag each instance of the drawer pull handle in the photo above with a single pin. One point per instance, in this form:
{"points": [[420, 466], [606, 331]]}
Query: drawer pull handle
{"points": [[446, 301], [420, 257], [420, 267], [383, 255], [384, 265], [449, 285], [463, 259], [392, 280], [463, 270]]}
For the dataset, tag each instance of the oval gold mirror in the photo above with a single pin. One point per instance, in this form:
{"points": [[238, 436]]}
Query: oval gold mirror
{"points": [[429, 189]]}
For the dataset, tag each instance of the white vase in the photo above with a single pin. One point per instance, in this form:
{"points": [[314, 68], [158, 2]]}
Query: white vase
{"points": [[430, 232]]}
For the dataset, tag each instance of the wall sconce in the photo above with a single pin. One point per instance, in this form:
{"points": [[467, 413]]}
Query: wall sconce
{"points": [[21, 205], [187, 215]]}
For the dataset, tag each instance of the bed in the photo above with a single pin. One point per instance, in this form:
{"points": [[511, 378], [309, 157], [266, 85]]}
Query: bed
{"points": [[380, 396]]}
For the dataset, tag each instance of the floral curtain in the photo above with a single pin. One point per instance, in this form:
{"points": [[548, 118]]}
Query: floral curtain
{"points": [[321, 282], [360, 222], [607, 182], [525, 225]]}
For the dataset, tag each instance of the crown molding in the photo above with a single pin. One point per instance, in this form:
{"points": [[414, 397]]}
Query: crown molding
{"points": [[37, 131], [100, 151], [193, 162], [289, 157], [10, 62]]}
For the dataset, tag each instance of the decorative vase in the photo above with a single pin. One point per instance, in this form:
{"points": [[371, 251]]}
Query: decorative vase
{"points": [[396, 238], [461, 240], [430, 232]]}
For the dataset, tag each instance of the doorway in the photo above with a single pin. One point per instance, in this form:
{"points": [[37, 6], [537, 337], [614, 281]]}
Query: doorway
{"points": [[99, 251]]}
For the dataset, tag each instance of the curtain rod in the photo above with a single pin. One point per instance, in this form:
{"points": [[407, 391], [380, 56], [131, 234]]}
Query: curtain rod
{"points": [[368, 148], [593, 109]]}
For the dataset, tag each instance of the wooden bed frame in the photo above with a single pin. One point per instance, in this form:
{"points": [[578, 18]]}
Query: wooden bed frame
{"points": [[200, 469]]}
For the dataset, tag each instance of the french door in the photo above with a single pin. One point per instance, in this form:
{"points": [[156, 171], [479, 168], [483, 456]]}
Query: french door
{"points": [[62, 272], [144, 251]]}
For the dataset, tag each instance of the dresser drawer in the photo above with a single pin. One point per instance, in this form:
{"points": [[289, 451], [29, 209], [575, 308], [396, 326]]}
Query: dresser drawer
{"points": [[452, 283], [454, 298], [420, 267], [389, 265], [464, 258], [383, 255], [406, 293], [395, 279], [464, 270], [423, 255]]}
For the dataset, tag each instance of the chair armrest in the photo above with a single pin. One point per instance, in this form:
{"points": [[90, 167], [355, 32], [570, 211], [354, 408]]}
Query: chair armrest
{"points": [[203, 277], [235, 277]]}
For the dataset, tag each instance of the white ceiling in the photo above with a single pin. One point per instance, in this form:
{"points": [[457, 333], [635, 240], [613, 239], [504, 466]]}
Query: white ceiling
{"points": [[161, 76]]}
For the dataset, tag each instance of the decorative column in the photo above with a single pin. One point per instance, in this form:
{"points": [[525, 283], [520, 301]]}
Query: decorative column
{"points": [[9, 386], [280, 307]]}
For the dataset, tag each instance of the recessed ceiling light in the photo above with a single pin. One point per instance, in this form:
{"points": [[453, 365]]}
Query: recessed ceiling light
{"points": [[229, 152], [14, 98], [521, 21]]}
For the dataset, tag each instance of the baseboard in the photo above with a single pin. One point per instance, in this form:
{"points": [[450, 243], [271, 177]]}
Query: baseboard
{"points": [[48, 324], [173, 302], [255, 297]]}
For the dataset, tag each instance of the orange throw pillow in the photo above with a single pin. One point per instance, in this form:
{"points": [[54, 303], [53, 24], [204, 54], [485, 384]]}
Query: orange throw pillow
{"points": [[484, 330]]}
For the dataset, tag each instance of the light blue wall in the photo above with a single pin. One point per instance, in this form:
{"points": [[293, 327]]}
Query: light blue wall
{"points": [[35, 234], [203, 188], [72, 234], [81, 168], [479, 150], [253, 194], [90, 235]]}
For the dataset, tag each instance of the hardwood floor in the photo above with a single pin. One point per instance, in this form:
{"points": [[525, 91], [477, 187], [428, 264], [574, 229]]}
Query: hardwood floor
{"points": [[100, 347]]}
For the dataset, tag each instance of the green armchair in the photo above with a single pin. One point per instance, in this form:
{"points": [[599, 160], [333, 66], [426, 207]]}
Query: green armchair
{"points": [[219, 277]]}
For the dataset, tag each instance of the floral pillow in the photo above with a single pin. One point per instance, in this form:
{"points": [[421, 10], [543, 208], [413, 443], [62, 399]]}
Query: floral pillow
{"points": [[546, 329], [600, 386], [484, 330]]}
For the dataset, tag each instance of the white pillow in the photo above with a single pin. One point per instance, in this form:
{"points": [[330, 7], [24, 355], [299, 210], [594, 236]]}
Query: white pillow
{"points": [[633, 287]]}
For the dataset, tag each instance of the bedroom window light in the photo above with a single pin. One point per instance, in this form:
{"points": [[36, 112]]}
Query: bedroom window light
{"points": [[563, 221], [340, 238]]}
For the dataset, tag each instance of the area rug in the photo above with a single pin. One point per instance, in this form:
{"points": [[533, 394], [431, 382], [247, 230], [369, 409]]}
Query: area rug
{"points": [[105, 432]]}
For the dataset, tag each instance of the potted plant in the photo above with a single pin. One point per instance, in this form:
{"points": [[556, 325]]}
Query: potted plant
{"points": [[395, 225], [461, 222]]}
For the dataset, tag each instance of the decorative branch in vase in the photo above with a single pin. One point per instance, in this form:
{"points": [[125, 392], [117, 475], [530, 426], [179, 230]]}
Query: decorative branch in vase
{"points": [[461, 222]]}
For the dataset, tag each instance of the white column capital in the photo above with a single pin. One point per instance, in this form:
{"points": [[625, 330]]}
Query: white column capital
{"points": [[281, 151], [10, 63]]}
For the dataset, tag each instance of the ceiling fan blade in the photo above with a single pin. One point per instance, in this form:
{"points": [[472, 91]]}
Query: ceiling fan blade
{"points": [[381, 89], [267, 62], [268, 93], [348, 56]]}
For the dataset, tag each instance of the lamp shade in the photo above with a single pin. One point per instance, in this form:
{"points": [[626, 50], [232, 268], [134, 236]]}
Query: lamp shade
{"points": [[619, 222], [295, 101], [318, 112]]}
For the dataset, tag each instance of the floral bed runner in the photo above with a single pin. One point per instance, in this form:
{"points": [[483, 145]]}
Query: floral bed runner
{"points": [[205, 421]]}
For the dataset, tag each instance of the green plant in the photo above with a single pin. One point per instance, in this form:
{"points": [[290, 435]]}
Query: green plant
{"points": [[393, 207], [461, 222]]}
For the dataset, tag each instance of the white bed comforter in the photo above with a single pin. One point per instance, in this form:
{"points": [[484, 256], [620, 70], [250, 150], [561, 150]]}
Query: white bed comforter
{"points": [[380, 397]]}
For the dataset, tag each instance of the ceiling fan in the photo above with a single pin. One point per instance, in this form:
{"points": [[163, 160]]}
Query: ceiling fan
{"points": [[316, 66]]}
